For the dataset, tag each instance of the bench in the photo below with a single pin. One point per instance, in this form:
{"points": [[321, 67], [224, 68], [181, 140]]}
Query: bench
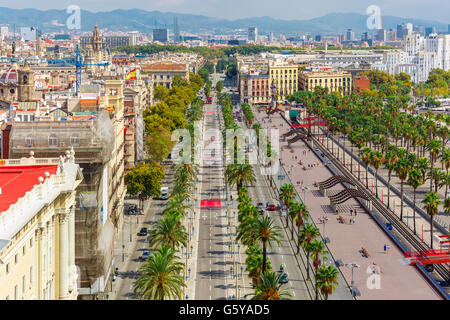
{"points": [[364, 252], [341, 219]]}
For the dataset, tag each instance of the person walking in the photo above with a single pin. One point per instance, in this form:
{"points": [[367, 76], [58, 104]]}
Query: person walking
{"points": [[385, 249], [351, 212]]}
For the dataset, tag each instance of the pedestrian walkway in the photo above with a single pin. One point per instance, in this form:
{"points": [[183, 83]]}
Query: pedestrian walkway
{"points": [[347, 241]]}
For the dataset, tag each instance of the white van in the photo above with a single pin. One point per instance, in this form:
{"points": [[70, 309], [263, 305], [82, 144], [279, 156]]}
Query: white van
{"points": [[164, 193]]}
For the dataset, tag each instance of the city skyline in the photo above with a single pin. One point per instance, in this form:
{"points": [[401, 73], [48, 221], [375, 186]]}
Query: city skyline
{"points": [[234, 10]]}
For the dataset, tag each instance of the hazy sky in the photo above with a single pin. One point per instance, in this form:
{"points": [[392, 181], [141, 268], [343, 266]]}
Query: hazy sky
{"points": [[234, 9]]}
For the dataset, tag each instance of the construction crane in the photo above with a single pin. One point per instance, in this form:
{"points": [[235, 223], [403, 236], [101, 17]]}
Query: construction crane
{"points": [[77, 62]]}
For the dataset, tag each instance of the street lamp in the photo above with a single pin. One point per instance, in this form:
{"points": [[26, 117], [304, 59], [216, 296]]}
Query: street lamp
{"points": [[352, 266]]}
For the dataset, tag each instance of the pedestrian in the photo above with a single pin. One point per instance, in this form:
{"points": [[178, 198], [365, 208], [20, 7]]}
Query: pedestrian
{"points": [[355, 212], [385, 249]]}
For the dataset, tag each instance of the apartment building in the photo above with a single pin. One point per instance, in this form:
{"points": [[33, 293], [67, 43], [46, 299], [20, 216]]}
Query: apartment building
{"points": [[163, 73], [284, 79], [93, 125], [334, 80], [254, 88], [37, 228]]}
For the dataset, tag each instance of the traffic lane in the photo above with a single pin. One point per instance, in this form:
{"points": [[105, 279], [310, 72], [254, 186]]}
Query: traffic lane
{"points": [[153, 213], [281, 255], [211, 278]]}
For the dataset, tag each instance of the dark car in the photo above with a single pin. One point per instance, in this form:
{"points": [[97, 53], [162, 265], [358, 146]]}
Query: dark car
{"points": [[145, 255], [143, 232], [130, 209], [271, 207], [284, 278]]}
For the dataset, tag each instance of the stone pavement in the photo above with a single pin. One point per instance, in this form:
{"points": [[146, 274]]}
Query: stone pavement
{"points": [[397, 281]]}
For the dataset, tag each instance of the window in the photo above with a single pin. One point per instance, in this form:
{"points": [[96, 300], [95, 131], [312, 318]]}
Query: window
{"points": [[16, 259], [24, 250], [52, 140], [75, 139], [31, 275], [29, 140], [25, 117], [23, 284], [16, 292], [31, 243], [7, 268]]}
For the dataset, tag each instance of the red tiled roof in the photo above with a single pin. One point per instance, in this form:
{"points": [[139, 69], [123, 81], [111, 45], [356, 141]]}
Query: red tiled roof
{"points": [[15, 181]]}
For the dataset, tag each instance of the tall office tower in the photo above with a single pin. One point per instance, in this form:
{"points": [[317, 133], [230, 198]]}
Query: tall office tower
{"points": [[420, 30], [350, 35], [252, 34], [318, 37], [448, 29], [409, 28], [399, 32], [429, 30], [176, 30], [380, 35], [270, 36], [365, 36], [160, 35], [341, 37], [391, 35]]}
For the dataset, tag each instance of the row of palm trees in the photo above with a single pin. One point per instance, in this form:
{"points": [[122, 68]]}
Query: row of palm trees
{"points": [[307, 239], [162, 274], [388, 134]]}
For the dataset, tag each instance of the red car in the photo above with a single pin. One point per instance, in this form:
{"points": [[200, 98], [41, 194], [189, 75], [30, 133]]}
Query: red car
{"points": [[272, 207]]}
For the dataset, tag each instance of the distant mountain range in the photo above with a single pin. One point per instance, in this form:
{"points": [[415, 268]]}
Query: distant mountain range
{"points": [[145, 21]]}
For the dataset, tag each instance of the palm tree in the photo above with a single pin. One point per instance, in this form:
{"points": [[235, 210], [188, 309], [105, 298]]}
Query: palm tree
{"points": [[317, 249], [300, 213], [306, 236], [365, 157], [190, 168], [431, 202], [437, 178], [447, 206], [446, 163], [254, 263], [240, 175], [327, 280], [376, 159], [434, 146], [263, 230], [402, 167], [161, 276], [415, 180], [269, 288], [168, 231], [287, 193], [390, 159]]}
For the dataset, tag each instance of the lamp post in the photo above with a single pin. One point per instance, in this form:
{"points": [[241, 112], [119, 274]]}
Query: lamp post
{"points": [[352, 266]]}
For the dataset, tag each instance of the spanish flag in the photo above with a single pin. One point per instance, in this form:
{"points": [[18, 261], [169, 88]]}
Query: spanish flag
{"points": [[131, 75]]}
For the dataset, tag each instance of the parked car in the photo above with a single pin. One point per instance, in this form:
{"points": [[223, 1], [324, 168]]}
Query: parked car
{"points": [[271, 207], [130, 209], [145, 255], [143, 232], [284, 278]]}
